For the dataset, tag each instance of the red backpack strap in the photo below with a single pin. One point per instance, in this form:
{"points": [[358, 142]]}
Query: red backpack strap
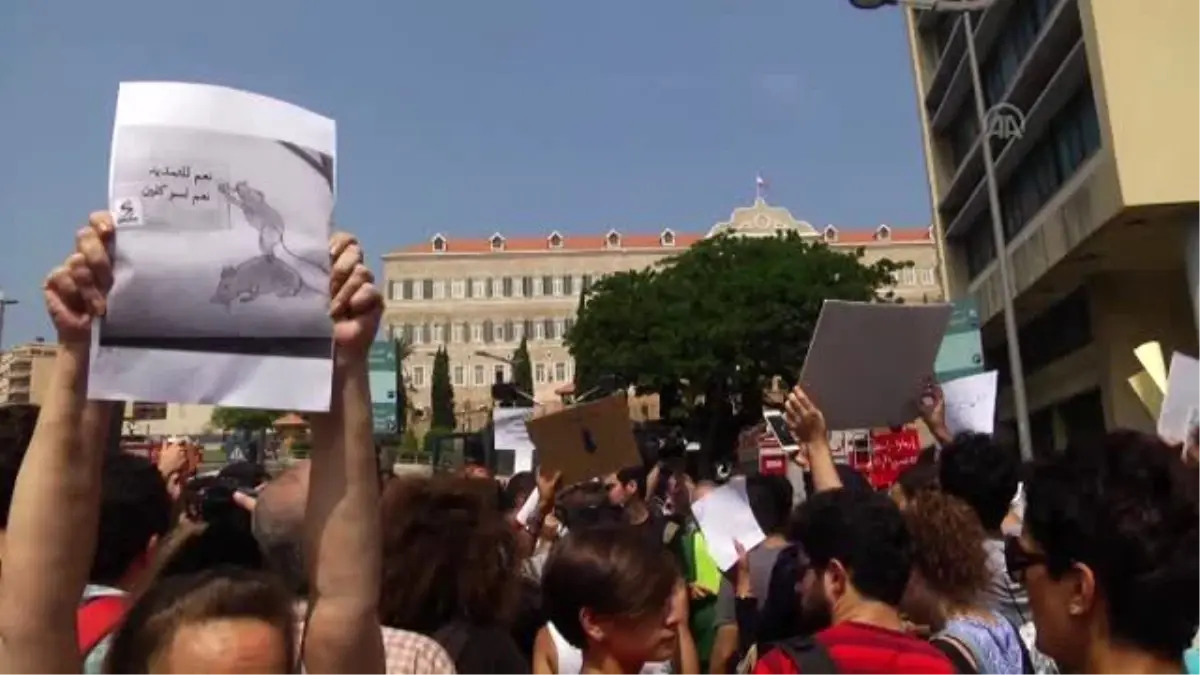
{"points": [[97, 618]]}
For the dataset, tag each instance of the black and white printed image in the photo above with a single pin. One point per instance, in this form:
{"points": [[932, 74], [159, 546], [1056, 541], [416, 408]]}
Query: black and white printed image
{"points": [[222, 244]]}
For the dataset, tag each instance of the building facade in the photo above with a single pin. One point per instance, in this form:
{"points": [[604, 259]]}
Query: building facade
{"points": [[169, 419], [25, 373], [479, 297], [1096, 163]]}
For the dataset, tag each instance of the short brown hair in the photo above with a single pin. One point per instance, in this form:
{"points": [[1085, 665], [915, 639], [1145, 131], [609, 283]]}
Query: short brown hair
{"points": [[173, 602], [448, 553], [613, 570], [948, 546]]}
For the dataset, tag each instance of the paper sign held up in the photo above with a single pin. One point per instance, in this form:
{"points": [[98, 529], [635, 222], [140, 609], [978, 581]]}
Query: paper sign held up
{"points": [[586, 441], [510, 433], [1179, 409], [867, 361], [971, 403]]}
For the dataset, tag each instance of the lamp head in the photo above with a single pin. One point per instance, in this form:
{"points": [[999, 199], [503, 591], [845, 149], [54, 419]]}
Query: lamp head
{"points": [[872, 4]]}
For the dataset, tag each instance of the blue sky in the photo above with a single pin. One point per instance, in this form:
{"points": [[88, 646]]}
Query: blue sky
{"points": [[518, 116]]}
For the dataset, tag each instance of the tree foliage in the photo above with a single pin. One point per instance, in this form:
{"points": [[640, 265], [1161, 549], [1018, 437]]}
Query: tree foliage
{"points": [[403, 351], [244, 419], [441, 394], [709, 328], [522, 367]]}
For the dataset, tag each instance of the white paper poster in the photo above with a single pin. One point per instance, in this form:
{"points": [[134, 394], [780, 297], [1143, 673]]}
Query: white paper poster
{"points": [[867, 361], [223, 202], [724, 516], [971, 403], [510, 433], [1181, 406]]}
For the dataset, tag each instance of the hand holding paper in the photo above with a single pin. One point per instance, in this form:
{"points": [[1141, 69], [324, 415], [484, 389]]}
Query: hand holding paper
{"points": [[76, 291], [970, 403], [724, 517]]}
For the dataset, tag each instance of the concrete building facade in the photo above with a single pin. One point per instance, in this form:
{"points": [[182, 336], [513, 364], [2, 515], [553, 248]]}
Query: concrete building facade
{"points": [[1098, 190], [25, 373], [479, 297]]}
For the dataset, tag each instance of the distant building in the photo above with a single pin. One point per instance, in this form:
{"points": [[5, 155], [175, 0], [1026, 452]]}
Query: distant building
{"points": [[168, 419], [479, 297], [25, 373]]}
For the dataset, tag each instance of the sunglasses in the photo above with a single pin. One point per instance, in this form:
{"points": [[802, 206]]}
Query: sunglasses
{"points": [[1019, 560]]}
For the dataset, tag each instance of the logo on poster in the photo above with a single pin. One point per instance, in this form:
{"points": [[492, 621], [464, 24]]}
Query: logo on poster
{"points": [[128, 212]]}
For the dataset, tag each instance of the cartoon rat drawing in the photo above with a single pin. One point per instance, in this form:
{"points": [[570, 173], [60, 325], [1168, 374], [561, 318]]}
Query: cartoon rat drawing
{"points": [[260, 275], [272, 232]]}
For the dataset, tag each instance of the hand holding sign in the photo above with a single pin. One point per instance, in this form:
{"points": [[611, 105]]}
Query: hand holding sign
{"points": [[804, 418]]}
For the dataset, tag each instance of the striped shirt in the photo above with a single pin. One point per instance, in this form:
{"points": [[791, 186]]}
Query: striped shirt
{"points": [[404, 651]]}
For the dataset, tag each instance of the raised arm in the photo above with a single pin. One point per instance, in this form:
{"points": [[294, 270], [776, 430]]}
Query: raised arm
{"points": [[52, 523], [807, 424], [342, 520]]}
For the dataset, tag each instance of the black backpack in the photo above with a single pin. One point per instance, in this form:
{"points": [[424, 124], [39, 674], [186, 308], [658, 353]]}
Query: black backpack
{"points": [[809, 656]]}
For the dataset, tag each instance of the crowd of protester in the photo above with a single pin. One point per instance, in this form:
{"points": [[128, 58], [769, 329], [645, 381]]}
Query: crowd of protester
{"points": [[1085, 561]]}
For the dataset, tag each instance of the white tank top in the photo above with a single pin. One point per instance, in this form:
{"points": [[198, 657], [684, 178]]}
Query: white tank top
{"points": [[570, 659]]}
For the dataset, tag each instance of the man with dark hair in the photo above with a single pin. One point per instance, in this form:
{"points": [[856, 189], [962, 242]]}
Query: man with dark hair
{"points": [[135, 512], [859, 559], [1109, 555], [771, 503], [985, 475], [627, 489], [278, 525]]}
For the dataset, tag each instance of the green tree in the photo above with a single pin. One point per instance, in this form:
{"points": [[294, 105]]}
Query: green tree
{"points": [[244, 419], [441, 393], [522, 367], [707, 330], [403, 351], [584, 379]]}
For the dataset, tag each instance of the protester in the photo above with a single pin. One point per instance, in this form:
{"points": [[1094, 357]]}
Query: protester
{"points": [[1111, 556], [278, 527], [770, 500], [222, 620], [860, 557], [451, 570], [616, 596], [950, 574], [135, 512], [627, 489], [912, 481], [985, 476], [56, 506]]}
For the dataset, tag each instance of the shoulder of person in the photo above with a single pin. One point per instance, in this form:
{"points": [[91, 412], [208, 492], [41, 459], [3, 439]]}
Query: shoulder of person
{"points": [[409, 652]]}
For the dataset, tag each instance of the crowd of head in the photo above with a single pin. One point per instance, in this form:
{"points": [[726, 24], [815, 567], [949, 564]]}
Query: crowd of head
{"points": [[1085, 560]]}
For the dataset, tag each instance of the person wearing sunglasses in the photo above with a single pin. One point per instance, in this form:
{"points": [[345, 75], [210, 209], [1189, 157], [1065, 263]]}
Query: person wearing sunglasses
{"points": [[1109, 556]]}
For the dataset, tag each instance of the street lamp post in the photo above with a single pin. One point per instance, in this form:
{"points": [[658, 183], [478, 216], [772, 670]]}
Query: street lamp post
{"points": [[1016, 368], [511, 364], [5, 303]]}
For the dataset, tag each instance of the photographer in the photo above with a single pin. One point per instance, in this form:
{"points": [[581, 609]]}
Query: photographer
{"points": [[217, 528]]}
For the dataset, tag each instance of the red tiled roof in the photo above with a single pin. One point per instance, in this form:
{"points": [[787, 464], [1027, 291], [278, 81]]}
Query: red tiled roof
{"points": [[592, 242]]}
